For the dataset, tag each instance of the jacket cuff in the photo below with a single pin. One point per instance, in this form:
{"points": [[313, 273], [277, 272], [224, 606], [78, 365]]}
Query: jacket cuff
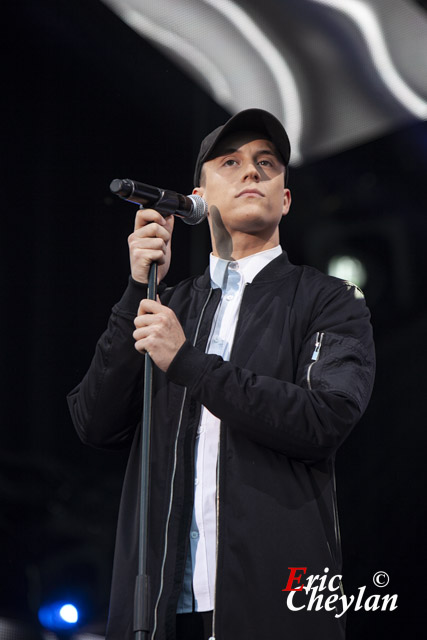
{"points": [[128, 304], [188, 365]]}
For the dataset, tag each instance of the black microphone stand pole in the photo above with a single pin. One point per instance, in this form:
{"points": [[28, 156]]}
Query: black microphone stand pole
{"points": [[167, 203], [141, 620]]}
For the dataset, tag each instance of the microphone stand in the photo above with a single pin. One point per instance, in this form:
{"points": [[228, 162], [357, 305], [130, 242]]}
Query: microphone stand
{"points": [[167, 203], [141, 620]]}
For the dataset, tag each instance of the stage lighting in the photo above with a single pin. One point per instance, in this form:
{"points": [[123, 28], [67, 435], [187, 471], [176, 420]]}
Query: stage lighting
{"points": [[69, 613], [372, 253], [59, 616], [348, 268]]}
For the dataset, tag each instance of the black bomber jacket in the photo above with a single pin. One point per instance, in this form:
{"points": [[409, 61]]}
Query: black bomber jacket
{"points": [[299, 378]]}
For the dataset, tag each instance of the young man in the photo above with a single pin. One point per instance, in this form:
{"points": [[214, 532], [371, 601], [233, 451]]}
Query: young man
{"points": [[263, 368]]}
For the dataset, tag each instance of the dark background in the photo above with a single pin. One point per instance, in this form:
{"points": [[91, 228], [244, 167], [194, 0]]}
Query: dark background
{"points": [[86, 100]]}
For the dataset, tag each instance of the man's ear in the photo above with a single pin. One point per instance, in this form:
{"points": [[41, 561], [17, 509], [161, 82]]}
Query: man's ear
{"points": [[198, 191], [287, 199]]}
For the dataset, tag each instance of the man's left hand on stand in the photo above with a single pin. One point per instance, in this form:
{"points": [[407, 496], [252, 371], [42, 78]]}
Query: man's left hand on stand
{"points": [[158, 333]]}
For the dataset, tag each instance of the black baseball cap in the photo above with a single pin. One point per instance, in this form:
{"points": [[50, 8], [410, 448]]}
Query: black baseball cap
{"points": [[249, 120]]}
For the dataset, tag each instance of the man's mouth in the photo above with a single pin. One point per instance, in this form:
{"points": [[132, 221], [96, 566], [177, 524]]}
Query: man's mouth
{"points": [[250, 192]]}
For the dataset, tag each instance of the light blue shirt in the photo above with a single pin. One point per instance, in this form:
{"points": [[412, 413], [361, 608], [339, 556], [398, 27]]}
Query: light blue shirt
{"points": [[200, 570]]}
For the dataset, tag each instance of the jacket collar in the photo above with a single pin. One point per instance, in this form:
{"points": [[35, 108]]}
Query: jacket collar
{"points": [[275, 270], [248, 267]]}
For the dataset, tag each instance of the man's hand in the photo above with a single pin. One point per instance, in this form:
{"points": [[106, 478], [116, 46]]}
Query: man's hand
{"points": [[150, 242], [158, 333]]}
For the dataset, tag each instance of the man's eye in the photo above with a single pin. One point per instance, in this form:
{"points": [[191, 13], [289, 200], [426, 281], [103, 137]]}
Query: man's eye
{"points": [[265, 163], [230, 162]]}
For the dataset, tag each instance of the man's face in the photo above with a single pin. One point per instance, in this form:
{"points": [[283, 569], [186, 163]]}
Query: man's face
{"points": [[244, 186]]}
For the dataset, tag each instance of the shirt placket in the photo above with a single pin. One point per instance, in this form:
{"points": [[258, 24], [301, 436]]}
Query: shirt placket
{"points": [[203, 528]]}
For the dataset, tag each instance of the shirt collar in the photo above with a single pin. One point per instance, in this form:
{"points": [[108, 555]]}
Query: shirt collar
{"points": [[249, 266]]}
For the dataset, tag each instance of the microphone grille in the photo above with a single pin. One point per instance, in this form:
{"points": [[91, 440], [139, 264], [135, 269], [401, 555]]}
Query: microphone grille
{"points": [[198, 212]]}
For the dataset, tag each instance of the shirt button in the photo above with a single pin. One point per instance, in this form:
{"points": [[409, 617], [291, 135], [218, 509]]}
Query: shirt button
{"points": [[194, 534], [233, 265], [230, 296], [196, 481]]}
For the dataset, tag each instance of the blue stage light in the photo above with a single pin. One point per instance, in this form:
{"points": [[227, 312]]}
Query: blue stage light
{"points": [[59, 616], [69, 613]]}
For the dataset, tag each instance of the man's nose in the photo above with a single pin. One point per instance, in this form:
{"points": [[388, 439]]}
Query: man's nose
{"points": [[251, 171]]}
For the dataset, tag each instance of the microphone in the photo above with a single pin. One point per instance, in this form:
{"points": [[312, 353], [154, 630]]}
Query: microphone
{"points": [[192, 209]]}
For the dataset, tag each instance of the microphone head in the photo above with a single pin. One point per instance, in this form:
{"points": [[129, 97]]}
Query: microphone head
{"points": [[122, 188], [199, 210]]}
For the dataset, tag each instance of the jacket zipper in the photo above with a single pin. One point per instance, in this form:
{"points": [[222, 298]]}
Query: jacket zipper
{"points": [[165, 549], [336, 522], [212, 637], [335, 510], [315, 356]]}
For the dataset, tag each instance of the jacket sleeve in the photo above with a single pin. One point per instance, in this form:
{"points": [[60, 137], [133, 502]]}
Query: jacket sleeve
{"points": [[307, 418], [106, 406]]}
